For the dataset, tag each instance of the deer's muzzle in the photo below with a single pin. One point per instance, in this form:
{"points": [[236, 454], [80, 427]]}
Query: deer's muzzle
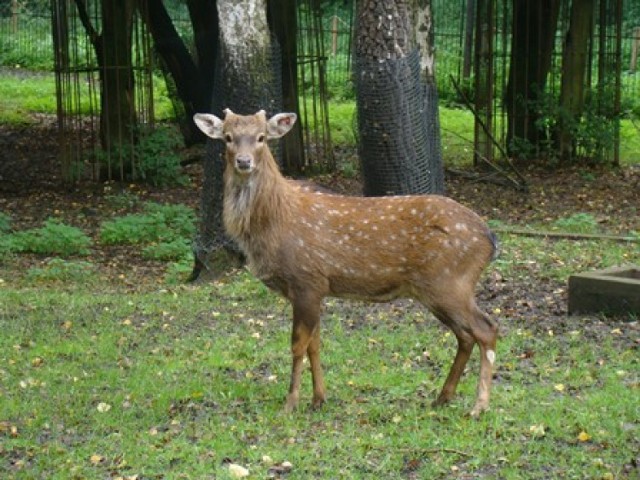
{"points": [[244, 163]]}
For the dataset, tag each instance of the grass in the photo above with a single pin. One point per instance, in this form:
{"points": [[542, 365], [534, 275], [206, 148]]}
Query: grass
{"points": [[22, 96], [177, 382]]}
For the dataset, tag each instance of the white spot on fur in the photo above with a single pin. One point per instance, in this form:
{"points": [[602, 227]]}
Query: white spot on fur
{"points": [[491, 356]]}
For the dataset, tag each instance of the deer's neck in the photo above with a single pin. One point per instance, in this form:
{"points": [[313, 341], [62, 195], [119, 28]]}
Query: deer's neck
{"points": [[255, 207]]}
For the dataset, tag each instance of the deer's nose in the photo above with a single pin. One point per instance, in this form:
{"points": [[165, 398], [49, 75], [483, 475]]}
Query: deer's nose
{"points": [[243, 162]]}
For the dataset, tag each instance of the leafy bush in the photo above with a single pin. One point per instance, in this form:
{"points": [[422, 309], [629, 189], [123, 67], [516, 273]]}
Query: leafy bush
{"points": [[159, 223], [174, 250], [158, 161], [54, 238], [5, 223], [59, 270]]}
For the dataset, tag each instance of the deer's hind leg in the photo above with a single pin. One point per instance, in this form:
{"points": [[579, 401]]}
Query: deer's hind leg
{"points": [[470, 326]]}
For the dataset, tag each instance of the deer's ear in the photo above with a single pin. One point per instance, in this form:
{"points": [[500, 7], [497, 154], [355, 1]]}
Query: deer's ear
{"points": [[280, 124], [210, 125]]}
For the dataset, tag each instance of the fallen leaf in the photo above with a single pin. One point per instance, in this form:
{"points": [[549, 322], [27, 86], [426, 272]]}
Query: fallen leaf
{"points": [[96, 459], [537, 430], [238, 471], [584, 436]]}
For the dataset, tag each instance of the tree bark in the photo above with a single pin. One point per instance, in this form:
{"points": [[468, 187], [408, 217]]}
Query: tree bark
{"points": [[245, 82], [193, 81], [532, 41], [117, 114], [425, 39], [282, 16], [574, 65], [390, 98]]}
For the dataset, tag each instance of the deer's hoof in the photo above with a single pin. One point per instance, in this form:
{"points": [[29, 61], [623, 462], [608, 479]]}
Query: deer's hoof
{"points": [[441, 400], [317, 403], [477, 410], [291, 404]]}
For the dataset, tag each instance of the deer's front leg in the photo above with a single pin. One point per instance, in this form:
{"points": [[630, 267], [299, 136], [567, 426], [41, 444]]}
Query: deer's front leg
{"points": [[305, 338]]}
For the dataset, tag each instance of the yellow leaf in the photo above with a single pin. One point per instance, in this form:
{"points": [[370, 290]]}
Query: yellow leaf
{"points": [[584, 436], [96, 459], [559, 387], [238, 471]]}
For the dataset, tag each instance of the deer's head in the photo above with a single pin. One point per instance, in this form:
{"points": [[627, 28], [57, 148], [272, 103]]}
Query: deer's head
{"points": [[245, 136]]}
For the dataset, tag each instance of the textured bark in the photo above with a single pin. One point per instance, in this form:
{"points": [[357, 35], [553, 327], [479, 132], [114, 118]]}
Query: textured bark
{"points": [[397, 140], [243, 83], [283, 20], [193, 81], [385, 31], [574, 65], [425, 39], [118, 100], [532, 41]]}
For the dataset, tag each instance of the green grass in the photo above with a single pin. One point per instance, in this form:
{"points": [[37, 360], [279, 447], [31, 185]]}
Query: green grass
{"points": [[96, 382], [22, 96]]}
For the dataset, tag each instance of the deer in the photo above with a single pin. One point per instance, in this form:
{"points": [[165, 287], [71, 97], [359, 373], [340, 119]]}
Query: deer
{"points": [[307, 244]]}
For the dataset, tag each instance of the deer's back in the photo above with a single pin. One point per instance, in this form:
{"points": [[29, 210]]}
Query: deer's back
{"points": [[378, 248]]}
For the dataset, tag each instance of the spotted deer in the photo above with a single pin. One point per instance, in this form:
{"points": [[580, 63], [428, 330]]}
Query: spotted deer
{"points": [[307, 244]]}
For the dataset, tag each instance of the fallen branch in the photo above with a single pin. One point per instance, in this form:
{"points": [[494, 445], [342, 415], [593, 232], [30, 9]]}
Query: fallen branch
{"points": [[522, 183], [426, 451], [567, 235]]}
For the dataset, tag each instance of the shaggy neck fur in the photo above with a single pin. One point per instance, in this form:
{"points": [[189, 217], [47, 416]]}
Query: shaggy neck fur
{"points": [[255, 205]]}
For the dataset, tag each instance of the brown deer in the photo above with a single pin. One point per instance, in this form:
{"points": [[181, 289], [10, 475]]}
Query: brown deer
{"points": [[307, 245]]}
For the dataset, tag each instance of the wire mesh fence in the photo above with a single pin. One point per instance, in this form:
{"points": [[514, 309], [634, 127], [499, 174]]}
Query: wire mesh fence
{"points": [[325, 72]]}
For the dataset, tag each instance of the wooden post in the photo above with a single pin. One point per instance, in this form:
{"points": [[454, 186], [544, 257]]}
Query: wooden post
{"points": [[635, 46]]}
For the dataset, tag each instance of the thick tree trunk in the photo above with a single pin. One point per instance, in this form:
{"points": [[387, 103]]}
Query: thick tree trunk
{"points": [[193, 82], [117, 114], [246, 81], [283, 20], [425, 40], [392, 124], [574, 65], [532, 41]]}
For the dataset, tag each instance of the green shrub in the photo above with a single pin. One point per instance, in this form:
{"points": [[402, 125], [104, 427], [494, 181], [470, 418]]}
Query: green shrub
{"points": [[5, 223], [159, 224], [54, 238], [177, 249], [59, 270], [158, 160]]}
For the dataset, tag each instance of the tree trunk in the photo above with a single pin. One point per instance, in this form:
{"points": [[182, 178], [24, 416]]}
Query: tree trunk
{"points": [[246, 80], [424, 34], [532, 40], [390, 100], [467, 54], [283, 21], [574, 65], [117, 114], [193, 82]]}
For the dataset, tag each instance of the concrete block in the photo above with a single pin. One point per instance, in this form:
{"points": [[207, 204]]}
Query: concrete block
{"points": [[612, 291]]}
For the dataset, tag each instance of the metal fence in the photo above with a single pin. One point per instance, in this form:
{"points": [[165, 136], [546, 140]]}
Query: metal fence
{"points": [[325, 30]]}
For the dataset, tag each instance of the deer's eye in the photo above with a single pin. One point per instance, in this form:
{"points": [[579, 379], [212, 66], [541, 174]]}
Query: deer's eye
{"points": [[261, 138], [228, 138]]}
